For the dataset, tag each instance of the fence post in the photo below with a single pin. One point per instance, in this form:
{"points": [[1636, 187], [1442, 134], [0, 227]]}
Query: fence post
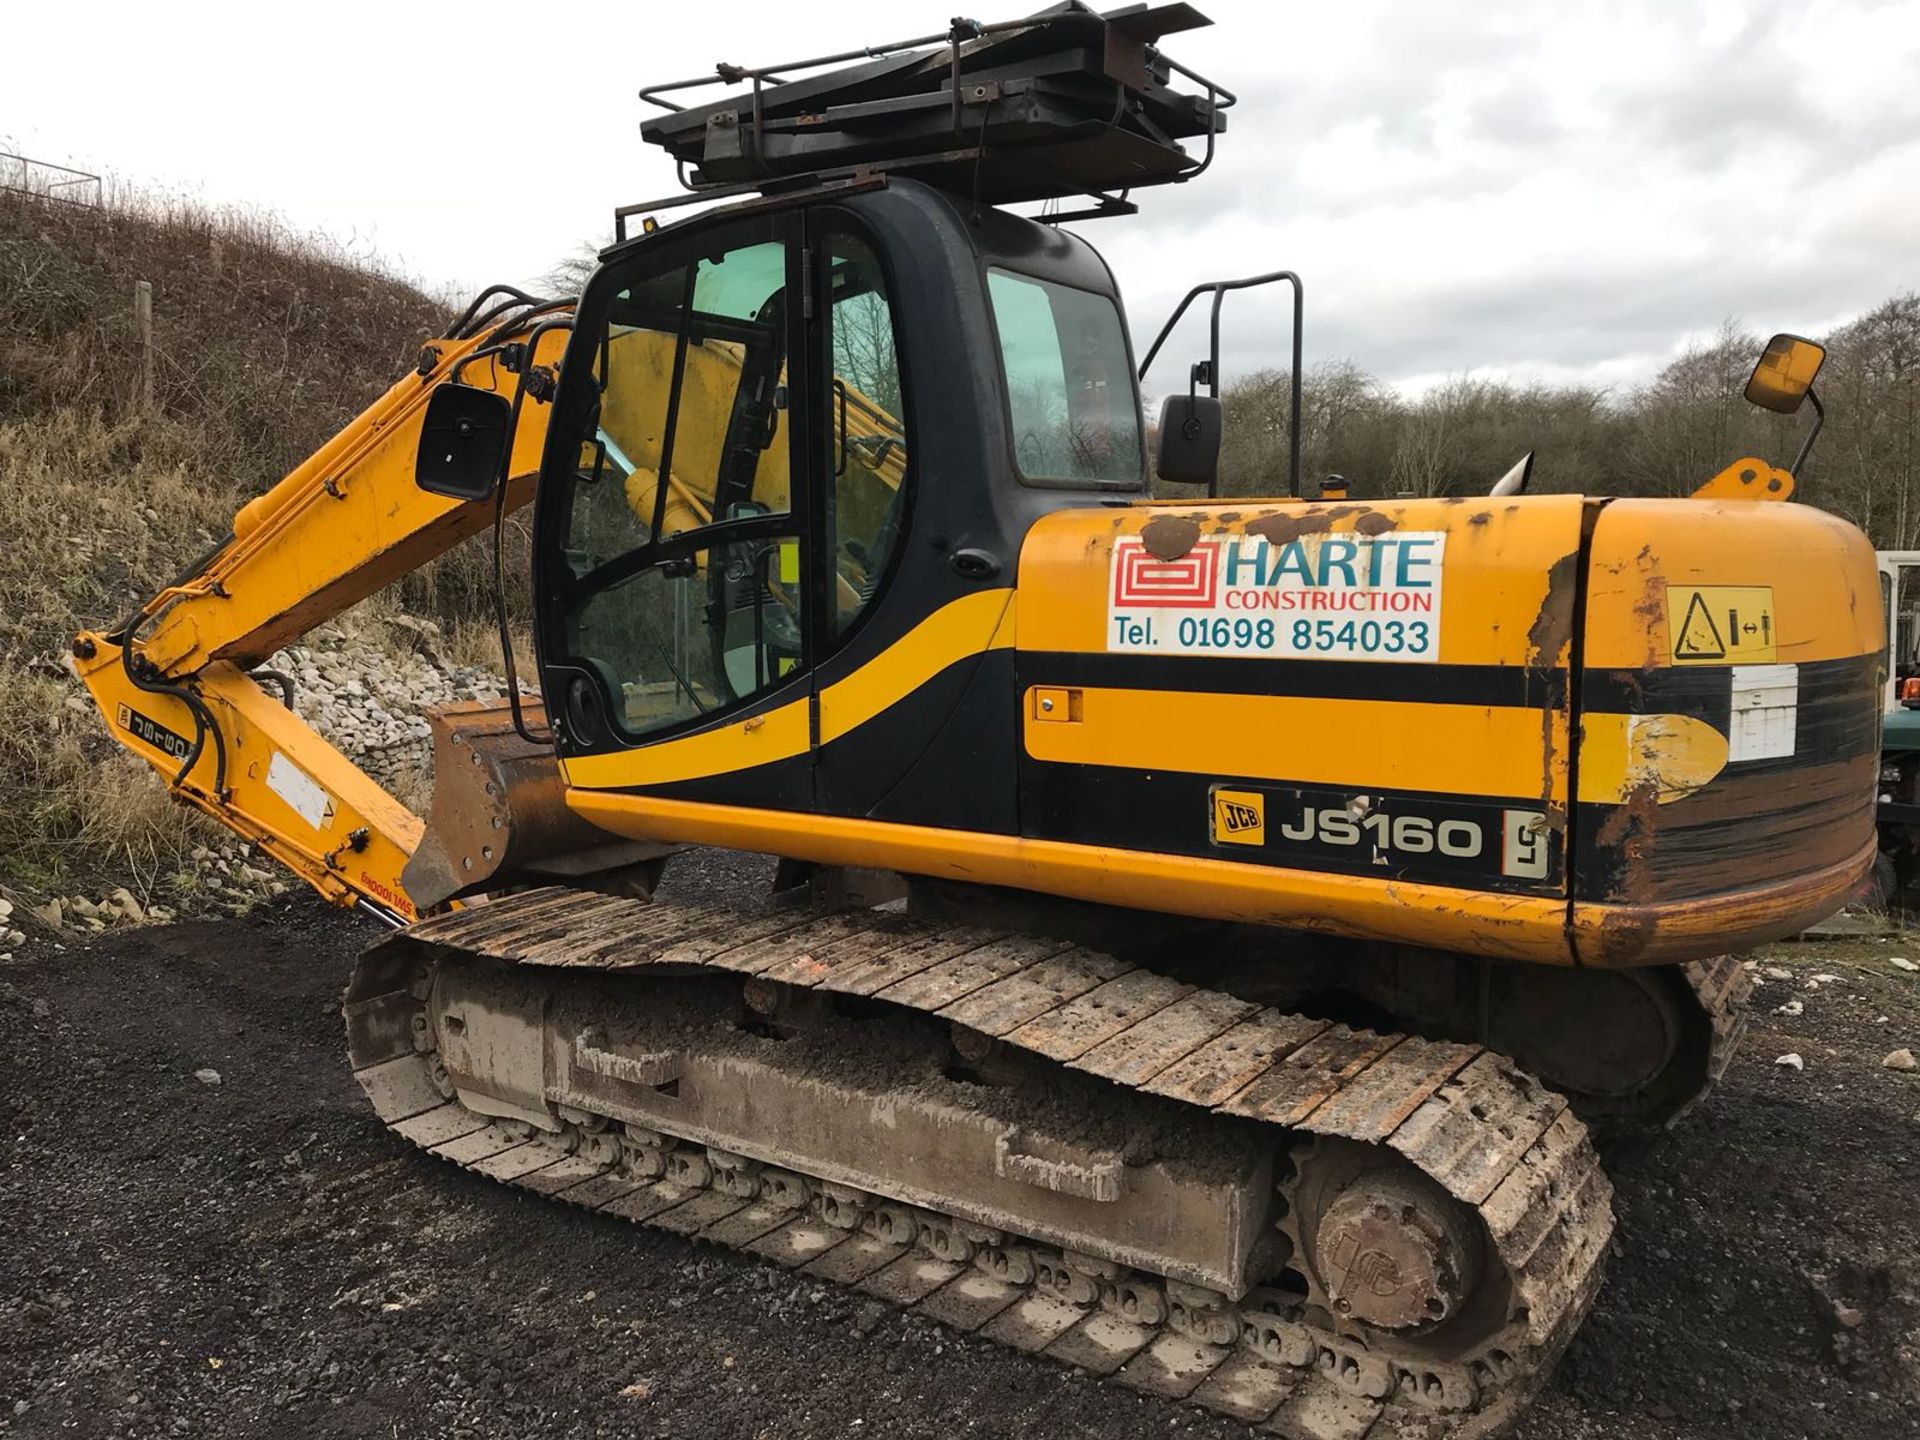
{"points": [[143, 326]]}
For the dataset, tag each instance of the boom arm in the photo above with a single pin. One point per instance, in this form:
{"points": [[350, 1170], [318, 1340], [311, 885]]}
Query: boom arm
{"points": [[172, 682]]}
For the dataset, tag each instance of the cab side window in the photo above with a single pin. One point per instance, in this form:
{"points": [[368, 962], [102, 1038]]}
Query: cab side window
{"points": [[1070, 392], [866, 428]]}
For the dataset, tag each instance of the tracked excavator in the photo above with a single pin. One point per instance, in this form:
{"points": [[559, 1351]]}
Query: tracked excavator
{"points": [[1210, 931]]}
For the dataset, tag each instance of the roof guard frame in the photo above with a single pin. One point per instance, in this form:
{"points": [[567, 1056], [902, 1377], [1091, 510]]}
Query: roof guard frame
{"points": [[1092, 114]]}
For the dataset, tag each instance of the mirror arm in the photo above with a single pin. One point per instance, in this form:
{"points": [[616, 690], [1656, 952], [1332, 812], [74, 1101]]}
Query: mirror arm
{"points": [[1218, 288], [1167, 329], [1806, 446]]}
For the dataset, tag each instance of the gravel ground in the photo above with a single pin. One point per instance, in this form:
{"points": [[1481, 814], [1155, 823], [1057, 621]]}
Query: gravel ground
{"points": [[257, 1257]]}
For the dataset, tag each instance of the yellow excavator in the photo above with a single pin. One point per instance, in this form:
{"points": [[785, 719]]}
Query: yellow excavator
{"points": [[1208, 930]]}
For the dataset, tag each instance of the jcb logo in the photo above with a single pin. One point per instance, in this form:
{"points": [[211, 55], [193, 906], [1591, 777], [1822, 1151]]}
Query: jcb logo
{"points": [[1239, 817], [1235, 818]]}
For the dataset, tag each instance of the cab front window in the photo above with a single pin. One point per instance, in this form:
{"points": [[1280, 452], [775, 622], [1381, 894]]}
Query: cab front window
{"points": [[678, 580]]}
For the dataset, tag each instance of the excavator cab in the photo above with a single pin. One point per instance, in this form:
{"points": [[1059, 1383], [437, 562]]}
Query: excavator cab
{"points": [[765, 470], [801, 437]]}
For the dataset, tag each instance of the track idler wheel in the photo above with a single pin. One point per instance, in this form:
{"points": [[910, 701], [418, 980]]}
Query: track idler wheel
{"points": [[1395, 1251], [1390, 1257]]}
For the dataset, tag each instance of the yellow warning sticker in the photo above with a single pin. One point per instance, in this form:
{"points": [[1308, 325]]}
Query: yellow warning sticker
{"points": [[1721, 624], [1239, 817]]}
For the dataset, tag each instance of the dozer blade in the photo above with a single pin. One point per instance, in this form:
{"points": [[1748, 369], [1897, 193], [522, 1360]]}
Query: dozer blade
{"points": [[499, 815]]}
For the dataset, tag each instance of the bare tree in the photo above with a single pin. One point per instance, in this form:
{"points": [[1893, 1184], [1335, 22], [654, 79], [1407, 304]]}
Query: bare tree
{"points": [[1420, 448], [1870, 460], [863, 349], [569, 273]]}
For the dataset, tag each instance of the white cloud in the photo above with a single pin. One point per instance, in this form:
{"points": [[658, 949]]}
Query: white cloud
{"points": [[1541, 190]]}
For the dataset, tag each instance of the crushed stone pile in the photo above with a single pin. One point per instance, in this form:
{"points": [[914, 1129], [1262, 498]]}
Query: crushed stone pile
{"points": [[372, 702]]}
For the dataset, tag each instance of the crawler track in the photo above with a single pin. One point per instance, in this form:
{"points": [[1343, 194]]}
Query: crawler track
{"points": [[1277, 1355], [1722, 986]]}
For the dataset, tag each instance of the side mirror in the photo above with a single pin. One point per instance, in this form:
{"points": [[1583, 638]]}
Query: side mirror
{"points": [[1785, 374], [1189, 439], [463, 442]]}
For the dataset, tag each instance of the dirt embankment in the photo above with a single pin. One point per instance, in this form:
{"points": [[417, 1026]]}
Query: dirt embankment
{"points": [[264, 343], [256, 1257]]}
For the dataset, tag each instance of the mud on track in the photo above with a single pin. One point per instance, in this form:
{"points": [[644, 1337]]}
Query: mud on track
{"points": [[259, 1258]]}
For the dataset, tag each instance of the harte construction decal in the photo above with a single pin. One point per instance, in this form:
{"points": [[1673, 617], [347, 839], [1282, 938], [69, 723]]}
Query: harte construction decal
{"points": [[1329, 597]]}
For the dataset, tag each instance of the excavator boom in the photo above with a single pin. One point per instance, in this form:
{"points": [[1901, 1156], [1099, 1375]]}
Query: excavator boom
{"points": [[175, 682]]}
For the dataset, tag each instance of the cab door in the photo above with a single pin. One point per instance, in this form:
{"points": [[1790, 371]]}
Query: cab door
{"points": [[865, 466], [674, 553]]}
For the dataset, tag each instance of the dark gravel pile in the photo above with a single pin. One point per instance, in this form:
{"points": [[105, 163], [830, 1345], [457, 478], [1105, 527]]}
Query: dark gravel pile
{"points": [[257, 1257]]}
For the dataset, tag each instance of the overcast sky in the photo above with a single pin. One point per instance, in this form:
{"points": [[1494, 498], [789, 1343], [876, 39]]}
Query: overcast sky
{"points": [[1560, 190]]}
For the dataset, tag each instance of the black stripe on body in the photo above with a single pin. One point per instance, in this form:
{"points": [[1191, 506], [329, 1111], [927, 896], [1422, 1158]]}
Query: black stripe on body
{"points": [[1837, 718], [1516, 686], [1170, 813]]}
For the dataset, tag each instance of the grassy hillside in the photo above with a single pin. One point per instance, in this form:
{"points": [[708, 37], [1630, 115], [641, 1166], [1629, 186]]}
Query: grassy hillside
{"points": [[265, 342]]}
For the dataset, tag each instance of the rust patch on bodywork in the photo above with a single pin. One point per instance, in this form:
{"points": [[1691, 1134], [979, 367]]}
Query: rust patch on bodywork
{"points": [[1551, 635], [1727, 846], [1285, 525], [1552, 628], [1168, 537], [1628, 831], [1651, 608], [1625, 933]]}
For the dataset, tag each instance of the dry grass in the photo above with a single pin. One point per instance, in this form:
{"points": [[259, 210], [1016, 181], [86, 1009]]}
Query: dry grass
{"points": [[92, 510], [265, 338], [68, 811]]}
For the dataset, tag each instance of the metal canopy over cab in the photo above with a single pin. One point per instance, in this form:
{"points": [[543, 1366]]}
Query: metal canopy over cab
{"points": [[1061, 103]]}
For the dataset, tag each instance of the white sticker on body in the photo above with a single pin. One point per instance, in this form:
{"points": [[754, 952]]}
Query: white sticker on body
{"points": [[1523, 848], [1766, 712], [1320, 597], [300, 790]]}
